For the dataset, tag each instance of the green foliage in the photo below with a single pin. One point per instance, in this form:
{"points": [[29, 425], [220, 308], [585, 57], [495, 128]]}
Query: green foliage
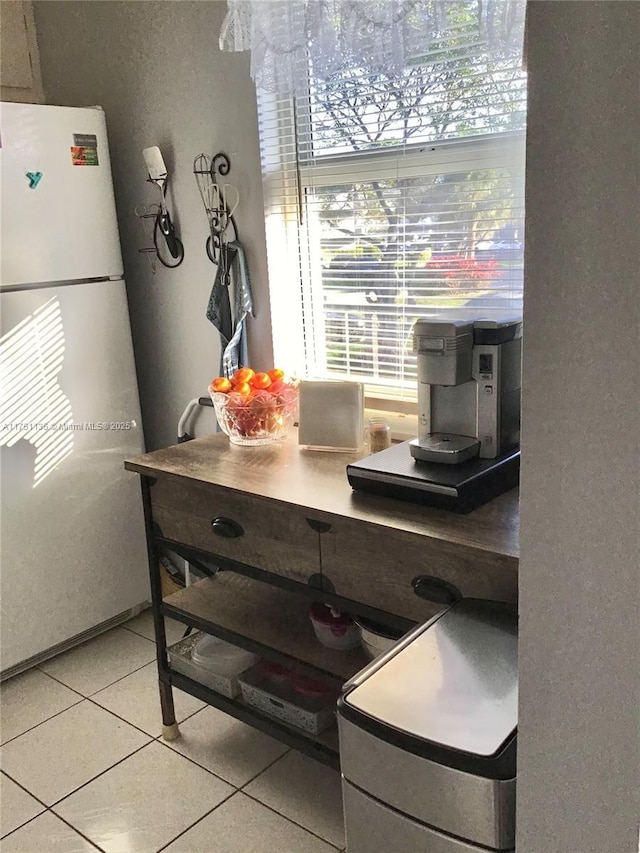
{"points": [[457, 89]]}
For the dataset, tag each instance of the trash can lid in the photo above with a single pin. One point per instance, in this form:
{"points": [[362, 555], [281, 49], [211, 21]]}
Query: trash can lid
{"points": [[455, 685]]}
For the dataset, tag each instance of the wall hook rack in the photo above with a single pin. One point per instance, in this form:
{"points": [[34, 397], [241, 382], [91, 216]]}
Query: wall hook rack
{"points": [[149, 215], [167, 246], [220, 200]]}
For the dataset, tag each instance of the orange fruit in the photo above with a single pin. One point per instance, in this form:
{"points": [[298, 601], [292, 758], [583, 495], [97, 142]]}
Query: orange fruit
{"points": [[222, 384], [261, 381], [276, 375], [243, 374], [243, 388]]}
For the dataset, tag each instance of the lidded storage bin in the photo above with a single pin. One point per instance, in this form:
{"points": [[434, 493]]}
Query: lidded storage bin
{"points": [[211, 661], [291, 696]]}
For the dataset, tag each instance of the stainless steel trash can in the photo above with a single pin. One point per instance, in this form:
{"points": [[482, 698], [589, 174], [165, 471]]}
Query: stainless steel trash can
{"points": [[428, 738]]}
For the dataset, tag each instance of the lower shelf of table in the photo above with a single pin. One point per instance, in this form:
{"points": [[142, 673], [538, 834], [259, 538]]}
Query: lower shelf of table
{"points": [[323, 747], [267, 620]]}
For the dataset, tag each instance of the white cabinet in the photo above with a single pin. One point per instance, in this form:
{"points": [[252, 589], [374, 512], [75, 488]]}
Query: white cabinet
{"points": [[20, 78]]}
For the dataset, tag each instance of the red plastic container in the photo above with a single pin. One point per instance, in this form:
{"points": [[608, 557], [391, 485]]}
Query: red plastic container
{"points": [[334, 629]]}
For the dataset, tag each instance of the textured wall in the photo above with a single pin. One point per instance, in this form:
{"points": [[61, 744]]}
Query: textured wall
{"points": [[156, 69], [579, 738]]}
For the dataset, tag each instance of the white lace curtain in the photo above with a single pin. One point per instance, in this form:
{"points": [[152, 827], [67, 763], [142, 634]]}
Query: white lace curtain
{"points": [[285, 37]]}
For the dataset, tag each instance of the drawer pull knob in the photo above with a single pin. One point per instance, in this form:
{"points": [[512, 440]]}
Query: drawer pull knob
{"points": [[319, 526], [436, 590], [226, 527]]}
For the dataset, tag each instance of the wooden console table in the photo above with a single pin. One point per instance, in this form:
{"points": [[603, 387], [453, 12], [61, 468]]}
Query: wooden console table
{"points": [[287, 529]]}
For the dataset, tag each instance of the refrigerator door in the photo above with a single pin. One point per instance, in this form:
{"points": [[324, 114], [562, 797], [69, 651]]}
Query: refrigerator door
{"points": [[58, 217], [72, 550]]}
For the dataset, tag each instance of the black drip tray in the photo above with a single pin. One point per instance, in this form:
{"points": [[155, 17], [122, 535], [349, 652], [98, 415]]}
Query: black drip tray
{"points": [[394, 473]]}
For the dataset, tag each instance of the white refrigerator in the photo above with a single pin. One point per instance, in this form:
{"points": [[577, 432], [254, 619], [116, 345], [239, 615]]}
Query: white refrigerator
{"points": [[72, 550]]}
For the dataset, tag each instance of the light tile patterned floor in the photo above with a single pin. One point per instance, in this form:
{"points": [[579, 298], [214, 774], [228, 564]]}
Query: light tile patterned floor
{"points": [[83, 767]]}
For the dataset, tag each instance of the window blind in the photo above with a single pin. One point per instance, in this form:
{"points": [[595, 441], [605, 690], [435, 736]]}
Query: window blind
{"points": [[392, 199]]}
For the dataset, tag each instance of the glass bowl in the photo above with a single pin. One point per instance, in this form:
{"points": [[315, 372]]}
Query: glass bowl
{"points": [[260, 419]]}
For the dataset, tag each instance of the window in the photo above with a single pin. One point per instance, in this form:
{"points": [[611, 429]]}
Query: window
{"points": [[388, 200]]}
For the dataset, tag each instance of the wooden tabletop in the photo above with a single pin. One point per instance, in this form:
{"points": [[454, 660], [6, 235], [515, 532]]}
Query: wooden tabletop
{"points": [[317, 480]]}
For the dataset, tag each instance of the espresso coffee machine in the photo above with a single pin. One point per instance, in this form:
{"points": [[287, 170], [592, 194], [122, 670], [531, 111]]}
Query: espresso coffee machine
{"points": [[468, 389], [467, 449]]}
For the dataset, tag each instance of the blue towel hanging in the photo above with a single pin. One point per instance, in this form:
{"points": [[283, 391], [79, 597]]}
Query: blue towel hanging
{"points": [[229, 304]]}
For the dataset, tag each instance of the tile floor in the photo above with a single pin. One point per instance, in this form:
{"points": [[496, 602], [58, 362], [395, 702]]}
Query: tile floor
{"points": [[84, 768]]}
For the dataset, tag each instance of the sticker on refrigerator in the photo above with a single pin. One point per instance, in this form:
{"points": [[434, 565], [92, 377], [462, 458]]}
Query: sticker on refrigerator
{"points": [[84, 151], [34, 179]]}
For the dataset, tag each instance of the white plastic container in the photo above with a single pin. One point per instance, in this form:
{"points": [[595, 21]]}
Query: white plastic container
{"points": [[211, 661], [221, 658]]}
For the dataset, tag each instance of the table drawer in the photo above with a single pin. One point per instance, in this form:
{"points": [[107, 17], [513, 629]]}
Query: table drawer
{"points": [[250, 530], [377, 566]]}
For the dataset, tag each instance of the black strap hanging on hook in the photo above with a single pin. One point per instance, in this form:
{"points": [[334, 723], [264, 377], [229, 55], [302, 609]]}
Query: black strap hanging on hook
{"points": [[164, 228], [224, 271]]}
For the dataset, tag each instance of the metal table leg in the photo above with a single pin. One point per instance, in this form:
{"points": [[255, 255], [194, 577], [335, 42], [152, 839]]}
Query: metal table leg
{"points": [[170, 730]]}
